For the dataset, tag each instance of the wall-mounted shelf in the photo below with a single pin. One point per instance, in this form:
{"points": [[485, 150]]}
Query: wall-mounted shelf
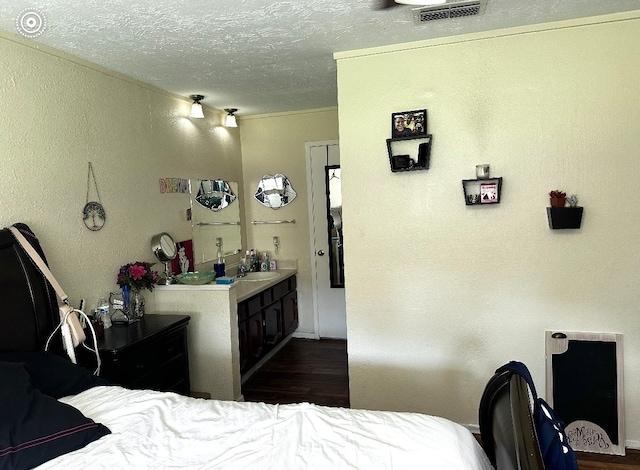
{"points": [[485, 191], [564, 217], [409, 153]]}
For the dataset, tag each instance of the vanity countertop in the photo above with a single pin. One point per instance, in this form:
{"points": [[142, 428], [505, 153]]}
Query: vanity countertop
{"points": [[244, 289]]}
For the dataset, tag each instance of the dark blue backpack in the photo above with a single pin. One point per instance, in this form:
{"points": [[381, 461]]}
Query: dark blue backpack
{"points": [[557, 454]]}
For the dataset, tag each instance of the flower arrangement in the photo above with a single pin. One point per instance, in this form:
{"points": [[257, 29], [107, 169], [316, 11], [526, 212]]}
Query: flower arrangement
{"points": [[557, 194], [137, 275]]}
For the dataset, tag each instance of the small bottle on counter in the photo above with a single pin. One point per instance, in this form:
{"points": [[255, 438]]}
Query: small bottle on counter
{"points": [[219, 267], [264, 262], [104, 312]]}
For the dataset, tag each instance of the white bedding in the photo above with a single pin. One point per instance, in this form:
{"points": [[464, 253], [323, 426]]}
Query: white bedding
{"points": [[154, 430]]}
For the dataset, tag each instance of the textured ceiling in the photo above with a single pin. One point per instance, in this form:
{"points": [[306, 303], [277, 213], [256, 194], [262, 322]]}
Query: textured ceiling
{"points": [[260, 56]]}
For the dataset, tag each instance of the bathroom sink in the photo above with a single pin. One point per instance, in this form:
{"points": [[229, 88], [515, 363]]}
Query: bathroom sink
{"points": [[260, 276]]}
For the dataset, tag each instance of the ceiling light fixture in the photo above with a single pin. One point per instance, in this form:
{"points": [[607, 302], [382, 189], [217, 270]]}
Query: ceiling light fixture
{"points": [[421, 2], [196, 107], [231, 119]]}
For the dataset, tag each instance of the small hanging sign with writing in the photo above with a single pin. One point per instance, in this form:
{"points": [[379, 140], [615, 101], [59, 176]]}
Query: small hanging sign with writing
{"points": [[174, 185]]}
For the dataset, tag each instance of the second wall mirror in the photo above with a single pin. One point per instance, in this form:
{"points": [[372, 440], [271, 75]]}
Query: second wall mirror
{"points": [[275, 191]]}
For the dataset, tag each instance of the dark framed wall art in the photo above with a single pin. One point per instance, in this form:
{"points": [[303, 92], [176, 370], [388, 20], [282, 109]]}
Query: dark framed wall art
{"points": [[409, 123]]}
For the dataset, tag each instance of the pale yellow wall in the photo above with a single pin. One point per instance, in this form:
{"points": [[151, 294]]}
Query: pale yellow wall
{"points": [[56, 114], [440, 294], [275, 143]]}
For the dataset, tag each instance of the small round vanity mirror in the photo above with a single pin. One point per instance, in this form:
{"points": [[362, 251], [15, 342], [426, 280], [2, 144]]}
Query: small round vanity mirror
{"points": [[164, 248]]}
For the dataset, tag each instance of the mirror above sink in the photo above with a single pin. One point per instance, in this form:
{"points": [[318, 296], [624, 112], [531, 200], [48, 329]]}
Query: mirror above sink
{"points": [[215, 219], [215, 195], [274, 191]]}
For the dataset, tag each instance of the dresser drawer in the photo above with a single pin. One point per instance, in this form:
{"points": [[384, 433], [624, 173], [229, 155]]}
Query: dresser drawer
{"points": [[153, 356], [169, 378]]}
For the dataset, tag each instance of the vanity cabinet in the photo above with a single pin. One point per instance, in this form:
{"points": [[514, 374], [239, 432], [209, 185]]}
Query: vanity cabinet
{"points": [[290, 313], [265, 319]]}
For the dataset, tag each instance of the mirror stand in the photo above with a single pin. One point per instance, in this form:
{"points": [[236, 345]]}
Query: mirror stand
{"points": [[168, 278]]}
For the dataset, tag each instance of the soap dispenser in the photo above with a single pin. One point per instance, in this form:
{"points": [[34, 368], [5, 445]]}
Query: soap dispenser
{"points": [[264, 263]]}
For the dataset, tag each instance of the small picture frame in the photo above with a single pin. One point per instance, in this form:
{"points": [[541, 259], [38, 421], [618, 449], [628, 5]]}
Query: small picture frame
{"points": [[489, 193], [409, 123]]}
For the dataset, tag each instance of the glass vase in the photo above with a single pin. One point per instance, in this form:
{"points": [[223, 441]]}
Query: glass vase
{"points": [[137, 303], [126, 299]]}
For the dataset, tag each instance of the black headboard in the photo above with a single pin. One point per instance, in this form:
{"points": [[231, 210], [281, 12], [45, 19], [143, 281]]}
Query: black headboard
{"points": [[28, 304]]}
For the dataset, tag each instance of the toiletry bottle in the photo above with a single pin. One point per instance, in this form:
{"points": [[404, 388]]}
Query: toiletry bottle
{"points": [[264, 262], [252, 260], [242, 267], [104, 313], [219, 267], [255, 259]]}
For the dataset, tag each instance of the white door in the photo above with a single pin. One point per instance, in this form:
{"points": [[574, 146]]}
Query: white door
{"points": [[329, 304]]}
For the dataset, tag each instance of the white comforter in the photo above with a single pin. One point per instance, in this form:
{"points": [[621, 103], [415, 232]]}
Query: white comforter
{"points": [[153, 430]]}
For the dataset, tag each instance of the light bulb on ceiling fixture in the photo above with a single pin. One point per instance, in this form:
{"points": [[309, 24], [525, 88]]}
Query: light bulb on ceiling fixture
{"points": [[196, 107], [230, 120]]}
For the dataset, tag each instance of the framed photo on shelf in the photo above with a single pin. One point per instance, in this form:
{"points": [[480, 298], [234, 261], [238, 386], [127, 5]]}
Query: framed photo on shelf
{"points": [[488, 193], [409, 123]]}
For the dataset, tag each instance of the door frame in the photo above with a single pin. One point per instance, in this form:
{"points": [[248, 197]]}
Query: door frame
{"points": [[314, 284]]}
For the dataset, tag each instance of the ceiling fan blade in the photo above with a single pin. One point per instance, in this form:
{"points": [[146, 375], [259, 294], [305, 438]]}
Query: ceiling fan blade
{"points": [[384, 4]]}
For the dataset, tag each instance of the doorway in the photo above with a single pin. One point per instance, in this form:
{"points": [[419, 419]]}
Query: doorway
{"points": [[325, 216]]}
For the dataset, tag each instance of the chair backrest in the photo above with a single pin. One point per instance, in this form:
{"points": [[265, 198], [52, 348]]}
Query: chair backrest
{"points": [[29, 307], [506, 422]]}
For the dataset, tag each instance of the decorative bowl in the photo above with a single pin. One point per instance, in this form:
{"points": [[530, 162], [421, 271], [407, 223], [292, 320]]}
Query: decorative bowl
{"points": [[196, 278]]}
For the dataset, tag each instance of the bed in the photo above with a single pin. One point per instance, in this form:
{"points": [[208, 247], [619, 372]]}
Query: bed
{"points": [[58, 415]]}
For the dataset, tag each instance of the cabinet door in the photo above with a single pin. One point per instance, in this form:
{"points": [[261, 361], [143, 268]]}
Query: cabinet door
{"points": [[243, 344], [289, 313], [256, 337], [272, 324]]}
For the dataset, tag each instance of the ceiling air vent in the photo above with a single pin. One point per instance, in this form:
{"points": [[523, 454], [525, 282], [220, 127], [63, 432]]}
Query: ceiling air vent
{"points": [[449, 10]]}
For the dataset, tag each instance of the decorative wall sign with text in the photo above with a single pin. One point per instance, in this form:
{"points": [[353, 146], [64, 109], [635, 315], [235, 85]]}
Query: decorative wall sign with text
{"points": [[174, 185]]}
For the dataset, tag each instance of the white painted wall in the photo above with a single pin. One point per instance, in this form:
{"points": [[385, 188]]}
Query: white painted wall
{"points": [[275, 143], [214, 353], [57, 113], [441, 294]]}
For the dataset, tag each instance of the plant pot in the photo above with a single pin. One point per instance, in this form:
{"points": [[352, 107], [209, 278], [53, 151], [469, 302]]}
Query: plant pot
{"points": [[558, 201]]}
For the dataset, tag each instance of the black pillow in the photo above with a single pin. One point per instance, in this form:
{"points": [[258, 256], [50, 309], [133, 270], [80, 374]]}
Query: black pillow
{"points": [[35, 428], [54, 375]]}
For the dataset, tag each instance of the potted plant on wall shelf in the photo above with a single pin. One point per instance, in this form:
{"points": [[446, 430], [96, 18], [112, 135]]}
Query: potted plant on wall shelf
{"points": [[564, 217], [557, 198]]}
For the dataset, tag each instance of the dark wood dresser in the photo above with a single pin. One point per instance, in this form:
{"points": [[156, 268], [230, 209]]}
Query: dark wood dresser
{"points": [[149, 354]]}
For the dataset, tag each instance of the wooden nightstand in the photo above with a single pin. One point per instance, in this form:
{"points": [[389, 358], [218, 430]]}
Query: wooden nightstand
{"points": [[149, 354]]}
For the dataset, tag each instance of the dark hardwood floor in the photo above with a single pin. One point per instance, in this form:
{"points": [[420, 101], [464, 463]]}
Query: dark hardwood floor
{"points": [[317, 372], [303, 370]]}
